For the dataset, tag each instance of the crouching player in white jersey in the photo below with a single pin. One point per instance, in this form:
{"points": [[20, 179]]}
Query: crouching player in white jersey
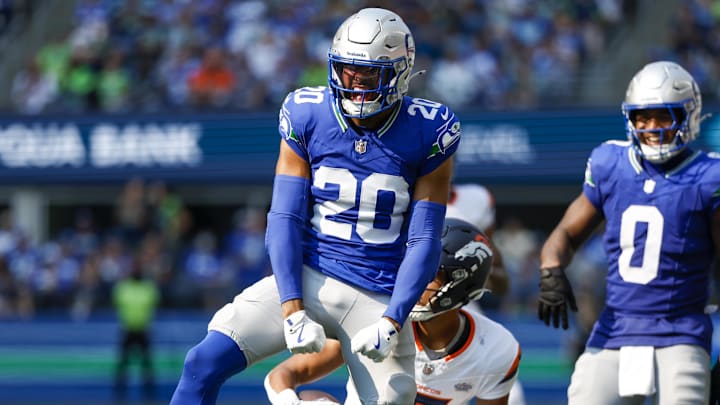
{"points": [[661, 204], [461, 355], [475, 204]]}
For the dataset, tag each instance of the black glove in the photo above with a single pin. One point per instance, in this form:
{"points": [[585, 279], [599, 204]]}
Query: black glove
{"points": [[555, 295], [715, 384]]}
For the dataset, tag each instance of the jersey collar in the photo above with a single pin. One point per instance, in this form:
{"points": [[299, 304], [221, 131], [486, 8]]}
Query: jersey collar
{"points": [[637, 165], [339, 117], [388, 124], [469, 336], [390, 120]]}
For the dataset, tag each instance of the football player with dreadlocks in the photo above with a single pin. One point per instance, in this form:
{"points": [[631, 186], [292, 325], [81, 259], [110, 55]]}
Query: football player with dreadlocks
{"points": [[660, 200], [353, 233], [461, 355]]}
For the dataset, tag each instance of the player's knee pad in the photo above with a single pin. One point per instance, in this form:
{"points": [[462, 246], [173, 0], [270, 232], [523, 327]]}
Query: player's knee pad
{"points": [[212, 361], [401, 390]]}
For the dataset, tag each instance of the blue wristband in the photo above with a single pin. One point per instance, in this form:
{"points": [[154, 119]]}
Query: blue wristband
{"points": [[421, 260], [284, 235]]}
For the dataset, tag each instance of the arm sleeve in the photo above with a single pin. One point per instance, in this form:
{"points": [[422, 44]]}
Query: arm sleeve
{"points": [[421, 260], [283, 238]]}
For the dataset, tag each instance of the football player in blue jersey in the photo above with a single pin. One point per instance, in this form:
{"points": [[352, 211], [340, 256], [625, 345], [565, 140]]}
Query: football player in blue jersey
{"points": [[660, 201], [353, 234]]}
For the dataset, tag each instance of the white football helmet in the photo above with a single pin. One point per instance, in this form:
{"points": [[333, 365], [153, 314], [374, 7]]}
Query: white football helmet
{"points": [[664, 85], [377, 41]]}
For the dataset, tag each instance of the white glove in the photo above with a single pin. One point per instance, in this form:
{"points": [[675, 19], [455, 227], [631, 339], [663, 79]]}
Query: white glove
{"points": [[375, 341], [302, 334]]}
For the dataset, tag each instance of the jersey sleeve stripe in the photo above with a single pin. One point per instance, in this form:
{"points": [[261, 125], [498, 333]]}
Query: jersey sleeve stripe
{"points": [[513, 368]]}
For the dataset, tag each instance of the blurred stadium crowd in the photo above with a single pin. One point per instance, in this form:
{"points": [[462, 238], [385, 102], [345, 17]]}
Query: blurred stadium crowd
{"points": [[195, 266], [152, 230], [161, 55], [223, 55]]}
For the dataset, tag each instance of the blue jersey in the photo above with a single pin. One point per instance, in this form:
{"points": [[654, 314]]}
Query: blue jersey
{"points": [[363, 181], [658, 244]]}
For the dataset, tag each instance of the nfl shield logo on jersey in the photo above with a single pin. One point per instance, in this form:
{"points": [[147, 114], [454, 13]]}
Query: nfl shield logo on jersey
{"points": [[360, 146], [649, 186]]}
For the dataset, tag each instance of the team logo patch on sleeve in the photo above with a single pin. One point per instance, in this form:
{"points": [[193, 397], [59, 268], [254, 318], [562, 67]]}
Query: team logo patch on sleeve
{"points": [[588, 175], [446, 139], [285, 127]]}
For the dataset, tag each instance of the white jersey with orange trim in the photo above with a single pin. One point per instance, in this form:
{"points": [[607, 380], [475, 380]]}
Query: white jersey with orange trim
{"points": [[472, 203], [485, 367]]}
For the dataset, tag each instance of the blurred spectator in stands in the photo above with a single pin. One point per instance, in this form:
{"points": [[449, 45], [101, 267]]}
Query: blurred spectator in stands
{"points": [[452, 81], [135, 299], [148, 49], [89, 289], [6, 15], [23, 260], [244, 247], [32, 90], [114, 263], [78, 86], [10, 234], [131, 211], [694, 41], [89, 11], [213, 83], [247, 21], [167, 213], [15, 15], [313, 74], [203, 273], [484, 64], [15, 299], [92, 30], [54, 280], [82, 237], [54, 56], [520, 251], [516, 242], [114, 83], [253, 93], [182, 33], [155, 262], [174, 73]]}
